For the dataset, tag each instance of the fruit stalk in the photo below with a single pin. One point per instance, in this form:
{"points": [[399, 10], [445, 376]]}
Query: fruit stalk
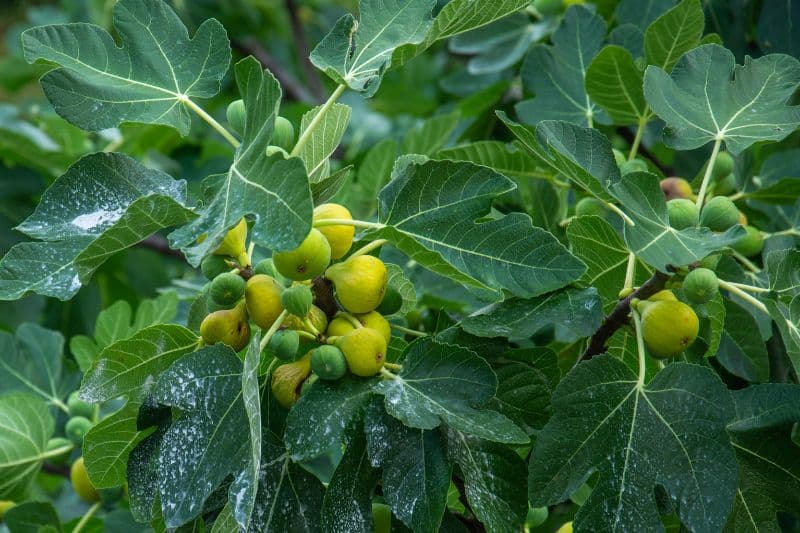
{"points": [[369, 247], [271, 331], [86, 517], [637, 323], [347, 222], [709, 171], [211, 122], [743, 295]]}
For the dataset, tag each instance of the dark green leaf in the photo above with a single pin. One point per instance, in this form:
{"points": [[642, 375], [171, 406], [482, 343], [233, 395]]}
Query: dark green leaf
{"points": [[26, 427], [740, 351], [33, 517], [673, 33], [615, 82]]}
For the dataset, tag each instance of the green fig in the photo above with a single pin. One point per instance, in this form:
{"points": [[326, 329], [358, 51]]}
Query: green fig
{"points": [[284, 344], [228, 326], [236, 115], [682, 213], [283, 134], [668, 327], [297, 300], [663, 295], [307, 261], [726, 185], [751, 244], [266, 268], [76, 428], [78, 407], [719, 214], [328, 362], [723, 165], [700, 285], [81, 483], [214, 265], [227, 289], [590, 205], [360, 282]]}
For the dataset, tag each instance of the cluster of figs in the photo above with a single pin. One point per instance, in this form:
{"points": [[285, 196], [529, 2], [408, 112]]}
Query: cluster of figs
{"points": [[277, 296]]}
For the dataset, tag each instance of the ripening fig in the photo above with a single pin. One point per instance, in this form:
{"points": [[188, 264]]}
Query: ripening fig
{"points": [[328, 362], [340, 237], [227, 289], [676, 188], [633, 165], [375, 320], [719, 214], [315, 315], [392, 302], [80, 482], [663, 295], [700, 285], [751, 244], [339, 326], [297, 299], [214, 265], [365, 351], [284, 344], [307, 261], [236, 115], [589, 205], [287, 380], [76, 428], [78, 407], [283, 134], [263, 297], [360, 282], [723, 165], [682, 213], [566, 528], [228, 326], [234, 243], [668, 327]]}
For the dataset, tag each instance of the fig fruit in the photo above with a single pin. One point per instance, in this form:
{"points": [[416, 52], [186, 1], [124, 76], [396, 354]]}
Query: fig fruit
{"points": [[632, 165], [284, 344], [80, 482], [315, 315], [307, 261], [54, 444], [5, 506], [339, 326], [590, 205], [375, 320], [283, 134], [664, 295], [751, 244], [236, 115], [700, 285], [265, 267], [719, 214], [566, 528], [263, 296], [328, 362], [668, 327], [340, 237], [392, 302], [359, 282], [365, 351], [619, 157], [723, 165], [214, 265], [234, 243], [228, 326], [710, 261], [381, 518], [683, 213], [726, 185], [297, 300], [76, 428], [78, 407], [288, 378], [676, 188], [227, 289]]}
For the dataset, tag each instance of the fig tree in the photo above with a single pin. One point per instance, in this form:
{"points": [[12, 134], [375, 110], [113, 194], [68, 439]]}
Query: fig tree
{"points": [[228, 326], [328, 362], [80, 482], [76, 428], [307, 261], [359, 282], [676, 188], [236, 115], [700, 285], [340, 237], [365, 351], [288, 378], [78, 407], [214, 265], [751, 243], [283, 134], [227, 289], [589, 205], [719, 214], [683, 213], [668, 327], [297, 299], [284, 344], [263, 297]]}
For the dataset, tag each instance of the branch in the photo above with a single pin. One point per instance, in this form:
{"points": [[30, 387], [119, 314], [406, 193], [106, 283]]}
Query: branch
{"points": [[160, 244], [312, 74], [323, 296], [288, 81], [619, 315]]}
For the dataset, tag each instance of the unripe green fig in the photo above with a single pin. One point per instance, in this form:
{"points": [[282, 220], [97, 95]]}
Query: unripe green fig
{"points": [[668, 327], [234, 243], [214, 265], [723, 165], [5, 506], [283, 135], [536, 517], [57, 443], [228, 326], [726, 185], [360, 282], [381, 518], [307, 261], [78, 407], [288, 378], [392, 302], [284, 344], [633, 165], [328, 362], [619, 157], [297, 300], [236, 116], [262, 295], [682, 213], [265, 267], [340, 237], [676, 188], [719, 214], [548, 7], [272, 150], [365, 351], [227, 289], [590, 205], [76, 428], [624, 292], [751, 244], [316, 316], [700, 285], [80, 482], [663, 295], [710, 261]]}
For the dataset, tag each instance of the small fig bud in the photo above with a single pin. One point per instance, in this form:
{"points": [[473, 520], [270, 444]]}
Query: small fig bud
{"points": [[214, 265], [700, 285], [723, 165], [633, 165], [80, 482], [683, 213], [78, 407], [283, 134], [751, 243], [328, 362], [590, 205], [360, 282], [365, 351], [297, 300], [307, 261], [236, 116], [76, 428], [263, 297], [227, 289], [719, 214], [284, 344], [676, 188], [288, 378], [340, 237], [668, 327]]}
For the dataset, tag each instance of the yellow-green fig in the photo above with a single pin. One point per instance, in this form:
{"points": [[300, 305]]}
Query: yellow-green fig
{"points": [[307, 261], [700, 285], [228, 326], [263, 296], [663, 295], [341, 326], [315, 316], [751, 244], [80, 482], [288, 379], [360, 282], [234, 243], [365, 351], [668, 327], [340, 237]]}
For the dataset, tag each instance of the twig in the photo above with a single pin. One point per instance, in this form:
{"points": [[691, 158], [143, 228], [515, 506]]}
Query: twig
{"points": [[312, 74], [619, 315], [160, 244], [288, 81]]}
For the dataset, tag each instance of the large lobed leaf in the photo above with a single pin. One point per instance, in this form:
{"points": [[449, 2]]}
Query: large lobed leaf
{"points": [[150, 78], [25, 427]]}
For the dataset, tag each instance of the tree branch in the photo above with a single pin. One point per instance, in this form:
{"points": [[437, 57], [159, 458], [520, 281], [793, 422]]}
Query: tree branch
{"points": [[311, 72], [619, 315], [160, 244], [292, 86]]}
